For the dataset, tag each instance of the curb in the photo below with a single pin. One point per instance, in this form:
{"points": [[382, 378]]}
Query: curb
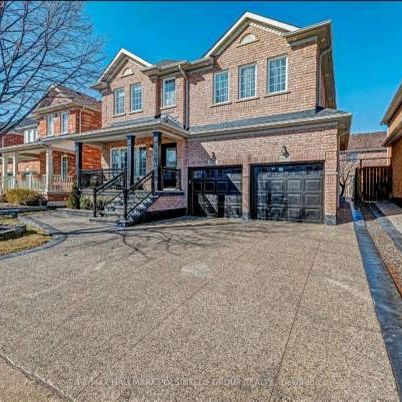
{"points": [[386, 298], [57, 238]]}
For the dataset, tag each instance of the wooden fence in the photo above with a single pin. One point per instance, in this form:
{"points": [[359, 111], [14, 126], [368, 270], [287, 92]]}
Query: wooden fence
{"points": [[373, 183]]}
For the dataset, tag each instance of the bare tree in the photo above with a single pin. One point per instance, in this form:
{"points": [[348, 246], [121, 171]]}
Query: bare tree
{"points": [[42, 43], [348, 163]]}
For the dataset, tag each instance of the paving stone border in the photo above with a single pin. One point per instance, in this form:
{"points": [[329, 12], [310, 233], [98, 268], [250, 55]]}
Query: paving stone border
{"points": [[386, 298]]}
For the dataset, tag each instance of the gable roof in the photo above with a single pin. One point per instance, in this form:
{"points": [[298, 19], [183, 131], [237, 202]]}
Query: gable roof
{"points": [[67, 96], [393, 107], [120, 57], [242, 22], [367, 141]]}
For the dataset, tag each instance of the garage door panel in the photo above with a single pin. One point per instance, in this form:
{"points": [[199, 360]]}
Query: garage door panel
{"points": [[288, 192], [216, 191]]}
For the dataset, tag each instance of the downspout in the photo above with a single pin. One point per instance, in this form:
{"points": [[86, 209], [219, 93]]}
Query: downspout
{"points": [[326, 51], [186, 100]]}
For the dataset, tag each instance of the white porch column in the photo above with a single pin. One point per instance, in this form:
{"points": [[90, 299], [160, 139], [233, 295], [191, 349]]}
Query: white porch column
{"points": [[49, 169], [15, 169], [4, 171]]}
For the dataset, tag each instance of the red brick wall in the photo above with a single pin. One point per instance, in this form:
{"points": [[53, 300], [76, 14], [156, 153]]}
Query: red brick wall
{"points": [[10, 139], [302, 80], [303, 146]]}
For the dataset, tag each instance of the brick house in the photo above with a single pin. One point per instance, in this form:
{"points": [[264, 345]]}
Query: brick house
{"points": [[364, 149], [250, 129], [49, 166], [393, 120]]}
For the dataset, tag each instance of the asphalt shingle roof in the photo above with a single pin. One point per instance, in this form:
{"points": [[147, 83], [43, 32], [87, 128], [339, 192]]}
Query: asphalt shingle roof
{"points": [[366, 140]]}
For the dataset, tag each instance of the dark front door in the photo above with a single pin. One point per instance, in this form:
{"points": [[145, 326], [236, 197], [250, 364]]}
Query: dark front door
{"points": [[169, 165], [215, 191], [291, 192]]}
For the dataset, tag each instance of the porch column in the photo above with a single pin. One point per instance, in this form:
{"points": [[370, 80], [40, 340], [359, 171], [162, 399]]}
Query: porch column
{"points": [[156, 158], [4, 171], [78, 162], [49, 169], [15, 169], [130, 159]]}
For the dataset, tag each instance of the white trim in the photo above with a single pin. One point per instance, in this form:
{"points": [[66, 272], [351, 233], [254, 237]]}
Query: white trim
{"points": [[61, 122], [284, 56], [131, 98], [253, 17], [61, 166], [114, 102], [123, 53], [213, 87], [163, 92], [255, 82], [53, 115]]}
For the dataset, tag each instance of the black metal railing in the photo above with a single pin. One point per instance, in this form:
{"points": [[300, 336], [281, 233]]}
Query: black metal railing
{"points": [[170, 178], [117, 183], [147, 185], [90, 179]]}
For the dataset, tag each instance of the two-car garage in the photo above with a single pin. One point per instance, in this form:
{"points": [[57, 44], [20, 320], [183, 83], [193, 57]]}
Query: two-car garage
{"points": [[289, 192]]}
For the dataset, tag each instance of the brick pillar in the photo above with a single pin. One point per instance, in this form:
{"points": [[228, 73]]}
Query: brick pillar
{"points": [[130, 159], [245, 190], [78, 161], [156, 158]]}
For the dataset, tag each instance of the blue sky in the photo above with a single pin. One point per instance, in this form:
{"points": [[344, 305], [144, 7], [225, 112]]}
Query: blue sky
{"points": [[367, 40]]}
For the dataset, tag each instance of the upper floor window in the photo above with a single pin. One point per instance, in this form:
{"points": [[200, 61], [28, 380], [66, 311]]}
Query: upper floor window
{"points": [[247, 81], [118, 101], [50, 124], [221, 87], [64, 122], [136, 97], [30, 135], [277, 75], [169, 92]]}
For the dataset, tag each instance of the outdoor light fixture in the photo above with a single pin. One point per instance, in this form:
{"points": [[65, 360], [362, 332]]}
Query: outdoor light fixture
{"points": [[284, 152]]}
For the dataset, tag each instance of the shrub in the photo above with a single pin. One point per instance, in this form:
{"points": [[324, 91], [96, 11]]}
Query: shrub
{"points": [[23, 197], [87, 202], [73, 201]]}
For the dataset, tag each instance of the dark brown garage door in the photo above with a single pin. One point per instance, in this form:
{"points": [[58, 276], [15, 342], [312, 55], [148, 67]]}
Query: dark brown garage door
{"points": [[215, 191], [291, 192]]}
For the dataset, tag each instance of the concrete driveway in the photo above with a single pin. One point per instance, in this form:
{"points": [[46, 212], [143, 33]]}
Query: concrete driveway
{"points": [[208, 309]]}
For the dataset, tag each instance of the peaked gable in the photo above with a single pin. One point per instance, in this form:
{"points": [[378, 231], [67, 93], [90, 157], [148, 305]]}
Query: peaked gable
{"points": [[242, 23]]}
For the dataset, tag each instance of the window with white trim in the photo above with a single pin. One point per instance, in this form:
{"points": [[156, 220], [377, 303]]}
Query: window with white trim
{"points": [[64, 167], [169, 92], [277, 75], [221, 87], [30, 135], [50, 124], [64, 122], [118, 100], [247, 81], [136, 97], [140, 158]]}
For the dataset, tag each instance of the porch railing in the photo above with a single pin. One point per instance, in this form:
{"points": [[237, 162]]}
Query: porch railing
{"points": [[170, 178], [58, 183], [90, 179]]}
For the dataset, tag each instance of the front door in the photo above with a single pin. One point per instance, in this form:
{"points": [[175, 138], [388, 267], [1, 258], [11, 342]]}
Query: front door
{"points": [[169, 165]]}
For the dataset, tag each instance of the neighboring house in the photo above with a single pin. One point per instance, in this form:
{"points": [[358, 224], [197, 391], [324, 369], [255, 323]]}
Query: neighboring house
{"points": [[393, 119], [248, 130], [50, 167], [364, 149]]}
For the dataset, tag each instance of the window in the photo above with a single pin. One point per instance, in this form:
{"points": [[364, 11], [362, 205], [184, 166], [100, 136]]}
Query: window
{"points": [[118, 157], [64, 122], [136, 97], [277, 75], [50, 124], [221, 87], [169, 92], [64, 167], [118, 101], [140, 158], [247, 81], [30, 135]]}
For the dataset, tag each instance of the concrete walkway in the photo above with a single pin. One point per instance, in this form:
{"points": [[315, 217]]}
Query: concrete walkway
{"points": [[392, 212], [208, 309]]}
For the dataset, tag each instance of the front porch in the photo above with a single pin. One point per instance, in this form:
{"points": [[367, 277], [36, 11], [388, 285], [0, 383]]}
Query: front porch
{"points": [[49, 170]]}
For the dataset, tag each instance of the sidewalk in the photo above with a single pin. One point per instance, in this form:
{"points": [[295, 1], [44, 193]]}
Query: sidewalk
{"points": [[392, 212]]}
